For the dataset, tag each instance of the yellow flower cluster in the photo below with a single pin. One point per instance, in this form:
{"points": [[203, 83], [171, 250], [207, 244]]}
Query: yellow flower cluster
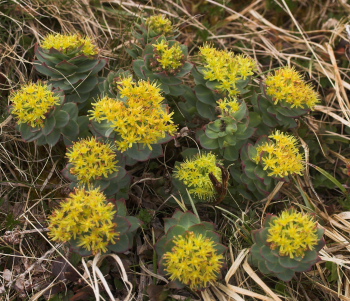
{"points": [[287, 85], [91, 160], [293, 233], [281, 158], [142, 118], [85, 215], [169, 58], [226, 68], [193, 261], [32, 102], [160, 25], [69, 43], [228, 106], [195, 173]]}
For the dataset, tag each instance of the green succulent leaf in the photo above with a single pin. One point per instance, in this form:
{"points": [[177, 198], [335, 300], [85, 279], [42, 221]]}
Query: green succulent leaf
{"points": [[49, 125], [71, 130], [71, 109], [287, 275], [121, 246], [62, 118], [123, 225], [188, 219], [53, 137]]}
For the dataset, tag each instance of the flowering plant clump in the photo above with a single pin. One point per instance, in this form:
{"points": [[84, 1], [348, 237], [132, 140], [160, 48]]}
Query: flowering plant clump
{"points": [[171, 59], [32, 103], [69, 43], [280, 158], [160, 25], [194, 173], [226, 68], [293, 233], [141, 118], [228, 106], [288, 86], [85, 215], [193, 260], [286, 244], [91, 160]]}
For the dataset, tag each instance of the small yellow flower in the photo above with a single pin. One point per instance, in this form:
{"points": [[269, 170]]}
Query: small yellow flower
{"points": [[160, 25], [228, 106], [142, 118], [280, 158], [287, 85], [69, 43], [85, 215], [193, 261], [91, 160], [171, 58], [226, 68], [32, 102], [293, 233], [194, 173]]}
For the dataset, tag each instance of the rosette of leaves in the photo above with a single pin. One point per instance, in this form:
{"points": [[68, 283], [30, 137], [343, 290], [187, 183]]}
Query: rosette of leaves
{"points": [[71, 71], [169, 79], [150, 30], [125, 227], [61, 121], [183, 224], [269, 259], [228, 133], [252, 176]]}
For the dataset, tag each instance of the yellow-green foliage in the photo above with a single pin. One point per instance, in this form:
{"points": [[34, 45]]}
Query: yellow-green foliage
{"points": [[226, 68], [160, 25], [142, 118], [85, 215], [282, 157], [293, 233], [288, 85], [32, 102], [169, 58], [194, 173], [69, 43], [228, 106], [91, 160], [193, 261]]}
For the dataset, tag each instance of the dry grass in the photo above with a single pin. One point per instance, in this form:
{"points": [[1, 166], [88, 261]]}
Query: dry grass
{"points": [[311, 36]]}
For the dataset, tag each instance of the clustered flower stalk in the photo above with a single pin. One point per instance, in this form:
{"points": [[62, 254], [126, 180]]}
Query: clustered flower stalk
{"points": [[280, 157], [141, 118], [32, 103], [193, 261], [194, 173], [86, 216], [92, 160], [226, 68], [286, 85]]}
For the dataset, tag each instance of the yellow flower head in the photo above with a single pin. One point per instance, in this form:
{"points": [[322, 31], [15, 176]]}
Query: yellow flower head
{"points": [[280, 158], [228, 106], [91, 160], [171, 58], [226, 68], [194, 173], [193, 261], [69, 43], [293, 233], [287, 85], [85, 215], [160, 25], [32, 102], [142, 118]]}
